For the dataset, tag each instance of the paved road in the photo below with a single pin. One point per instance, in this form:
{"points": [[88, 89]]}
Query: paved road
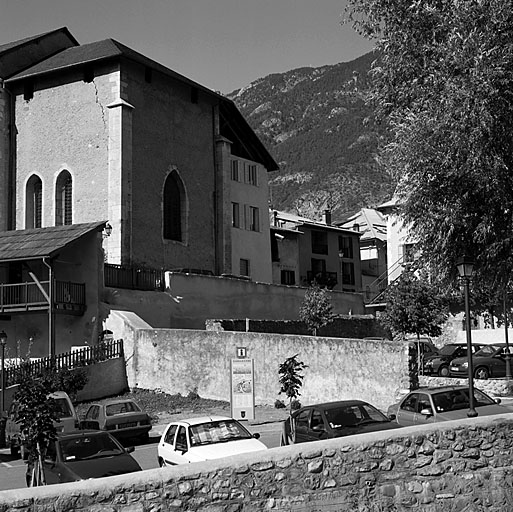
{"points": [[12, 470]]}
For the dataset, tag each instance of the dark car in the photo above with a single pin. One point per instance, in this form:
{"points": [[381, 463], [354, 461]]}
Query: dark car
{"points": [[123, 418], [432, 405], [333, 419], [438, 364], [86, 454], [488, 362]]}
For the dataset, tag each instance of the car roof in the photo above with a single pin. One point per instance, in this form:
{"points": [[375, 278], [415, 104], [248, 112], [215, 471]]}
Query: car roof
{"points": [[439, 389], [81, 433], [333, 405], [200, 420]]}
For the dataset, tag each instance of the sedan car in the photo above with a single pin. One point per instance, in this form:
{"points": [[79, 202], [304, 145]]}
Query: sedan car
{"points": [[333, 419], [431, 405], [122, 418], [84, 454], [488, 362], [438, 364], [206, 438]]}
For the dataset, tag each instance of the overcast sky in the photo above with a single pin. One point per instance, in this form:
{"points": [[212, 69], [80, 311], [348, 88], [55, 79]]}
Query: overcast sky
{"points": [[221, 44]]}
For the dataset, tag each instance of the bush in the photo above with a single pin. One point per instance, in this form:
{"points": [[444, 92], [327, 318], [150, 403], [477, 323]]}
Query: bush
{"points": [[279, 404]]}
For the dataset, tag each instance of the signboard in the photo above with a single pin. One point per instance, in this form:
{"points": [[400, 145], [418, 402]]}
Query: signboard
{"points": [[242, 389]]}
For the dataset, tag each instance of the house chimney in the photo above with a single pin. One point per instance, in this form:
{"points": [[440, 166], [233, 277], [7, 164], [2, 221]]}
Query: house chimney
{"points": [[326, 217]]}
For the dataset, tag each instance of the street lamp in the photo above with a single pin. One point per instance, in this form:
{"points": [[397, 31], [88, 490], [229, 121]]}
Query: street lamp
{"points": [[507, 353], [465, 269], [3, 341]]}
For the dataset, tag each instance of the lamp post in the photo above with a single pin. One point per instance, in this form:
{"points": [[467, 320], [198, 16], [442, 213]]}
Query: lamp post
{"points": [[3, 341], [507, 353], [465, 269]]}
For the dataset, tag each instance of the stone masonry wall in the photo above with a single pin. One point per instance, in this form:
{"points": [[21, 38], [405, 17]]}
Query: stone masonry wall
{"points": [[464, 465]]}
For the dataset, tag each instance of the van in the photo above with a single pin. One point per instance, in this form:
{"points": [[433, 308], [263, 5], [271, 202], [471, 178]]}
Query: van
{"points": [[68, 422]]}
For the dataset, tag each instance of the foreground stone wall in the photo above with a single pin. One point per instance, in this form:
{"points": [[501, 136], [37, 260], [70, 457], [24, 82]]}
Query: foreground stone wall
{"points": [[464, 465]]}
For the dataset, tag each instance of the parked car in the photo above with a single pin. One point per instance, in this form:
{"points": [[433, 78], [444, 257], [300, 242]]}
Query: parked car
{"points": [[438, 364], [206, 438], [431, 405], [489, 361], [123, 418], [68, 422], [333, 419], [85, 454]]}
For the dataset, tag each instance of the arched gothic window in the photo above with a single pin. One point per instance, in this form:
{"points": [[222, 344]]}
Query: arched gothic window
{"points": [[174, 208], [63, 199], [34, 202]]}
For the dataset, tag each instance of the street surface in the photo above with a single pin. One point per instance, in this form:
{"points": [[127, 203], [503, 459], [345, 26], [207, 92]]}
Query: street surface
{"points": [[12, 470]]}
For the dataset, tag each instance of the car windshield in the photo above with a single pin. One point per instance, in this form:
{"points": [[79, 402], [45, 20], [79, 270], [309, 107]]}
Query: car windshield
{"points": [[121, 408], [448, 350], [487, 350], [61, 407], [354, 415], [89, 447], [217, 432], [456, 399]]}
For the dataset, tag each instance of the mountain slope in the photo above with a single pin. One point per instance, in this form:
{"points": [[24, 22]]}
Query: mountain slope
{"points": [[315, 123]]}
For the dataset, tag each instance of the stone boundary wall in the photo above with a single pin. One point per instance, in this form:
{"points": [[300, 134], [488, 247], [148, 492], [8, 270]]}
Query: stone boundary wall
{"points": [[181, 361], [464, 465], [492, 387]]}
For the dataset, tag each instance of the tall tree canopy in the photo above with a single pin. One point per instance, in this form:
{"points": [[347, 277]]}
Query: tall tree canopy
{"points": [[443, 82]]}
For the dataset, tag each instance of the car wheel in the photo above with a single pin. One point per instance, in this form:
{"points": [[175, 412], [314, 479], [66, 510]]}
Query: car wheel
{"points": [[481, 373], [162, 464], [443, 371]]}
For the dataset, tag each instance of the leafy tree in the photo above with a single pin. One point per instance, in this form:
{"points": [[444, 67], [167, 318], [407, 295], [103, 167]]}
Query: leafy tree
{"points": [[443, 84], [316, 310], [414, 306], [291, 378], [38, 412]]}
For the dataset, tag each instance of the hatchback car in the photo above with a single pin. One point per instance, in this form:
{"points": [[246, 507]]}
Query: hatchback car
{"points": [[122, 418], [333, 419], [438, 364], [86, 454], [206, 438], [431, 405], [68, 422], [488, 362]]}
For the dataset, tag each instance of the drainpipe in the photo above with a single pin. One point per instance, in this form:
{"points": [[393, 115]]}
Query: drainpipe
{"points": [[51, 322]]}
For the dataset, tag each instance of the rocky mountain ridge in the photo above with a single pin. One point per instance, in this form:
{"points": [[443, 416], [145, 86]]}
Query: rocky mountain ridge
{"points": [[315, 123]]}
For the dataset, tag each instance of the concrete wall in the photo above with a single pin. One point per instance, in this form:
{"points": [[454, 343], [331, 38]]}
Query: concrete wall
{"points": [[464, 465], [107, 378], [178, 361], [205, 297]]}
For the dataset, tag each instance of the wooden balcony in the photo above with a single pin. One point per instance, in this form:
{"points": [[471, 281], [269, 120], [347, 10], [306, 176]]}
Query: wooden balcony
{"points": [[27, 297]]}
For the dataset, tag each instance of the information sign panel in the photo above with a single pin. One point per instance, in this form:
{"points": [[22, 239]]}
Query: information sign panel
{"points": [[242, 389]]}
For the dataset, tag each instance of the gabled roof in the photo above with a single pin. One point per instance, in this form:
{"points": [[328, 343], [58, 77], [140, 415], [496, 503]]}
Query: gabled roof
{"points": [[293, 222], [25, 53], [31, 244], [371, 223], [233, 123]]}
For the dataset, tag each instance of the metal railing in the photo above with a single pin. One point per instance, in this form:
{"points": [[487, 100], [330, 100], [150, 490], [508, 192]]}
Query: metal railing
{"points": [[28, 295], [134, 278], [14, 374]]}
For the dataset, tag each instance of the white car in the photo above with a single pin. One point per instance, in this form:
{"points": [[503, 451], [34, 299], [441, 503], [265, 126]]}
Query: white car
{"points": [[205, 438]]}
